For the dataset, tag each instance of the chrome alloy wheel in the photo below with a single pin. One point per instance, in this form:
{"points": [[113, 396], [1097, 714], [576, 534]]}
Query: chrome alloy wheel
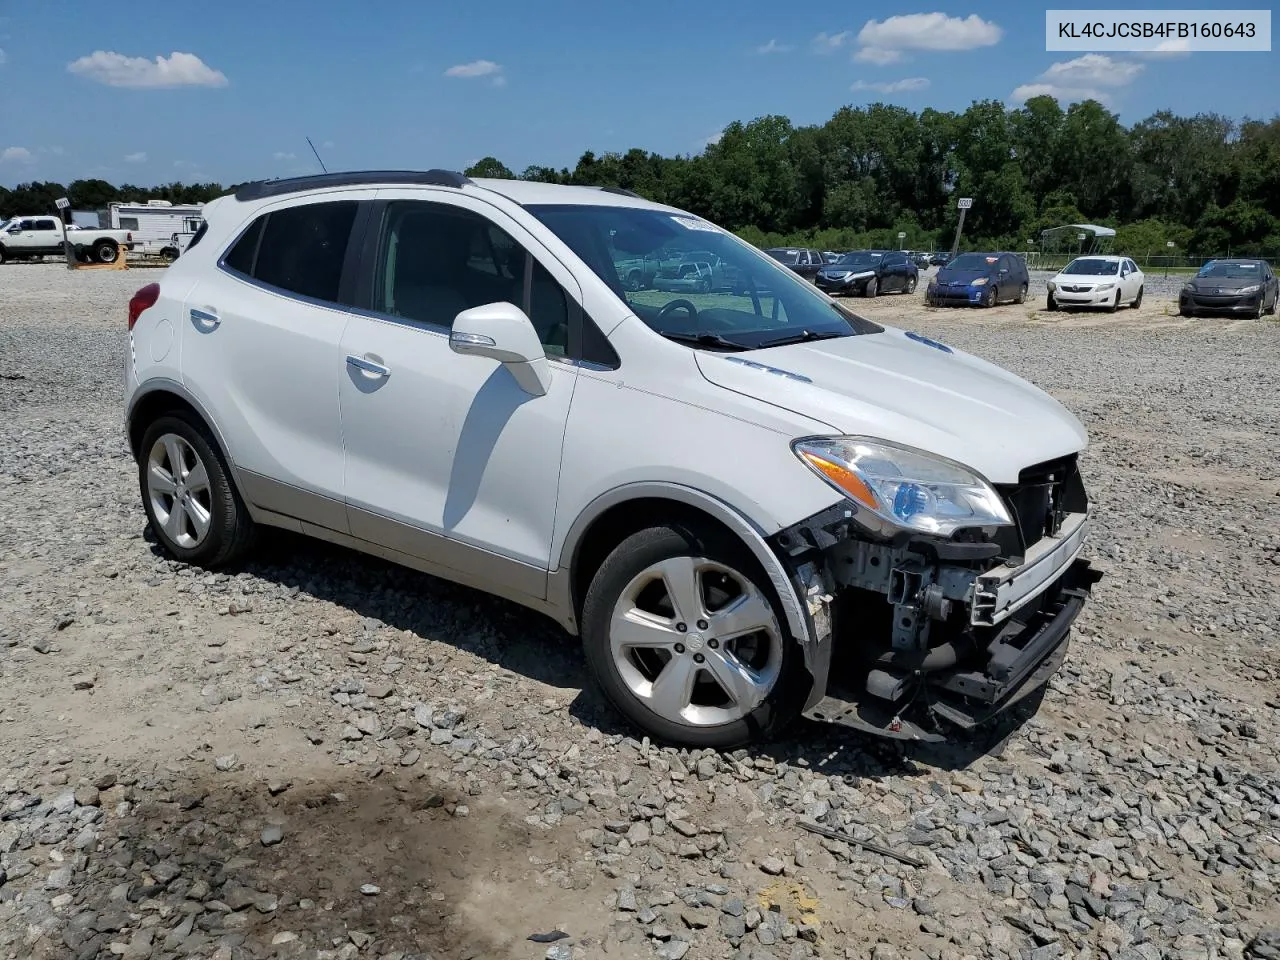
{"points": [[695, 641], [178, 487]]}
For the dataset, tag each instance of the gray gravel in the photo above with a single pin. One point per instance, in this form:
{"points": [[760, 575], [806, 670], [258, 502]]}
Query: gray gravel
{"points": [[324, 756]]}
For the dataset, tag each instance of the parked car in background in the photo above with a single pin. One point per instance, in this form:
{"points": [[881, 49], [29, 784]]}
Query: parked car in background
{"points": [[869, 273], [922, 260], [1097, 281], [30, 238], [980, 279], [1231, 286], [747, 509], [941, 258], [831, 256], [805, 262]]}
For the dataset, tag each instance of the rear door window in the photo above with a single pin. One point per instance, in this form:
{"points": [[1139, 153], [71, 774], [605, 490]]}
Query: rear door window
{"points": [[299, 250]]}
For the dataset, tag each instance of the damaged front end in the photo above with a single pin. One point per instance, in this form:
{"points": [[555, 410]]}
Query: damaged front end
{"points": [[926, 637]]}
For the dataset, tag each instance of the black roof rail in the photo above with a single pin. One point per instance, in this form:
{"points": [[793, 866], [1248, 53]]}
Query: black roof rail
{"points": [[259, 189], [621, 192]]}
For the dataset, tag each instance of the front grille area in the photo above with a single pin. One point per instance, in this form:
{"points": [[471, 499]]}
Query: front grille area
{"points": [[1042, 497]]}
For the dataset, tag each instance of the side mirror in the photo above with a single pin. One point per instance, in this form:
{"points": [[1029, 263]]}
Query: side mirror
{"points": [[502, 332]]}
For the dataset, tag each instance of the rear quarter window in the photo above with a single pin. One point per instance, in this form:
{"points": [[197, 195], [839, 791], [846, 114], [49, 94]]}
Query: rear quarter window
{"points": [[299, 249]]}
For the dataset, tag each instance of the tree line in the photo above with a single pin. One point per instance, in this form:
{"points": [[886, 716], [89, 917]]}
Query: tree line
{"points": [[1206, 182]]}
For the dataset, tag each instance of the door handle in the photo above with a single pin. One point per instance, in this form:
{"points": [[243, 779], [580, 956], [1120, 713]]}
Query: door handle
{"points": [[205, 319], [369, 366]]}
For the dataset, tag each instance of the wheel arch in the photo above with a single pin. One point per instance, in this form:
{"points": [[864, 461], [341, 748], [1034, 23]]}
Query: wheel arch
{"points": [[615, 515], [161, 396]]}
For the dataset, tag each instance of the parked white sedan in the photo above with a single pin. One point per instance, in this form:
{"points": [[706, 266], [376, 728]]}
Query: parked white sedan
{"points": [[1097, 282]]}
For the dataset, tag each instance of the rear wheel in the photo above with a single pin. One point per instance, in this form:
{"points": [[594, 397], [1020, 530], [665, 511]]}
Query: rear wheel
{"points": [[911, 285], [683, 632], [1137, 302], [169, 254], [190, 501], [1022, 294], [106, 251]]}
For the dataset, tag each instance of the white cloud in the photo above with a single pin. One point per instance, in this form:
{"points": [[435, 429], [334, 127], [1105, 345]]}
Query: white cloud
{"points": [[906, 85], [15, 155], [139, 157], [478, 68], [4, 57], [176, 70], [1167, 50], [883, 41], [1085, 78], [712, 139], [1092, 70], [830, 42], [281, 155], [773, 46], [878, 56]]}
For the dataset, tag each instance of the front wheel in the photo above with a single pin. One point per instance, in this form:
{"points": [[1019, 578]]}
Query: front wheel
{"points": [[1115, 304], [1050, 303], [871, 289], [990, 297], [683, 632], [190, 501]]}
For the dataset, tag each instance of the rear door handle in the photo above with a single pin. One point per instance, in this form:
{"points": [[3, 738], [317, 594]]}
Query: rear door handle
{"points": [[369, 366], [205, 319]]}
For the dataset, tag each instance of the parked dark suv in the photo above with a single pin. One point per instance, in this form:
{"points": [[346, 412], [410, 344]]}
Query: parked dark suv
{"points": [[869, 273], [981, 279], [804, 262]]}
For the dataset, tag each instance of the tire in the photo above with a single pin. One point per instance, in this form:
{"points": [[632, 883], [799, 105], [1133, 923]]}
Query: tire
{"points": [[628, 599], [1050, 303], [106, 251], [911, 285], [1022, 294], [1271, 310], [1137, 301], [871, 289], [1115, 304], [170, 254], [2, 254], [228, 530], [991, 297], [1185, 312]]}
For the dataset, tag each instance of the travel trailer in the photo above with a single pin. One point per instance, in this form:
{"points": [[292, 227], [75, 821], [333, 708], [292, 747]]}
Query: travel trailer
{"points": [[160, 228]]}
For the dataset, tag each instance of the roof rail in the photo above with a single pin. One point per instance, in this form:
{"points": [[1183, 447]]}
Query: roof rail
{"points": [[259, 189], [621, 192]]}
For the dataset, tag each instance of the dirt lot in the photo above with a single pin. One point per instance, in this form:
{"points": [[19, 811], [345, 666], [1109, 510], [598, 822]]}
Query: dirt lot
{"points": [[324, 756]]}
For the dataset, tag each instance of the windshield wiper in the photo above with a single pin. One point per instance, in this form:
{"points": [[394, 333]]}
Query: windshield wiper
{"points": [[804, 336], [703, 339]]}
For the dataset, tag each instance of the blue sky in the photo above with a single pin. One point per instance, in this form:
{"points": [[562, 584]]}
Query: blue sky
{"points": [[239, 85]]}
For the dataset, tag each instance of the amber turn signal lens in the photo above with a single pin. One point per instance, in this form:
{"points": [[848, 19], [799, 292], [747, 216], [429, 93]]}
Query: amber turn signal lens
{"points": [[842, 477]]}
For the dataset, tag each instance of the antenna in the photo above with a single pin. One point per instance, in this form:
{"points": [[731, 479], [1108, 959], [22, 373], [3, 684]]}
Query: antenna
{"points": [[317, 153]]}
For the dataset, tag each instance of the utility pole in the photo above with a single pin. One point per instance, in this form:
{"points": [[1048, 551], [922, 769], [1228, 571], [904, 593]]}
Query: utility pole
{"points": [[64, 216], [963, 204]]}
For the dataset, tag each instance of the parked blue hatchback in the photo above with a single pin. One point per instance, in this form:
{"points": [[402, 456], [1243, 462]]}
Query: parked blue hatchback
{"points": [[980, 279]]}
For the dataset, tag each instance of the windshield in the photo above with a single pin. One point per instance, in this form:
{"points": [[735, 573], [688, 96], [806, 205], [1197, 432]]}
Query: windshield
{"points": [[740, 300], [863, 259], [1230, 270], [973, 261], [1092, 267]]}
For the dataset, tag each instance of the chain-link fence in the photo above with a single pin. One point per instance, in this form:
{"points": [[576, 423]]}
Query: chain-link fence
{"points": [[1150, 263]]}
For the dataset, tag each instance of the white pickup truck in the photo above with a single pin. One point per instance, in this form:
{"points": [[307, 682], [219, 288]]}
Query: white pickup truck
{"points": [[30, 238]]}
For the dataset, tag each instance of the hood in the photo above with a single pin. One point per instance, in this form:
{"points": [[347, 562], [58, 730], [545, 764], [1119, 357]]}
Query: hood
{"points": [[1224, 283], [840, 269], [954, 275], [1087, 278], [891, 386]]}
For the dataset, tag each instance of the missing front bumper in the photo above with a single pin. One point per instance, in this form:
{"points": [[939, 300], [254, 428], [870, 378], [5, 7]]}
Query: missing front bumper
{"points": [[941, 706]]}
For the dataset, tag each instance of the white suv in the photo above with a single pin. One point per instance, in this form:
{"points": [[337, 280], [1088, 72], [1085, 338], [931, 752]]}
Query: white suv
{"points": [[747, 504]]}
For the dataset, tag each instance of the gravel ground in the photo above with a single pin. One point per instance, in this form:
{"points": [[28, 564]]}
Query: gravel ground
{"points": [[323, 756]]}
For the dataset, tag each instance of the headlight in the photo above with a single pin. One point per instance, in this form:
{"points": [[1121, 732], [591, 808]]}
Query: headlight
{"points": [[1103, 286], [1188, 288], [908, 488], [1244, 291], [979, 282]]}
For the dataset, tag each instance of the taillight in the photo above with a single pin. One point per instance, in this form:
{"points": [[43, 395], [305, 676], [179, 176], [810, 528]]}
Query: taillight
{"points": [[144, 298]]}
